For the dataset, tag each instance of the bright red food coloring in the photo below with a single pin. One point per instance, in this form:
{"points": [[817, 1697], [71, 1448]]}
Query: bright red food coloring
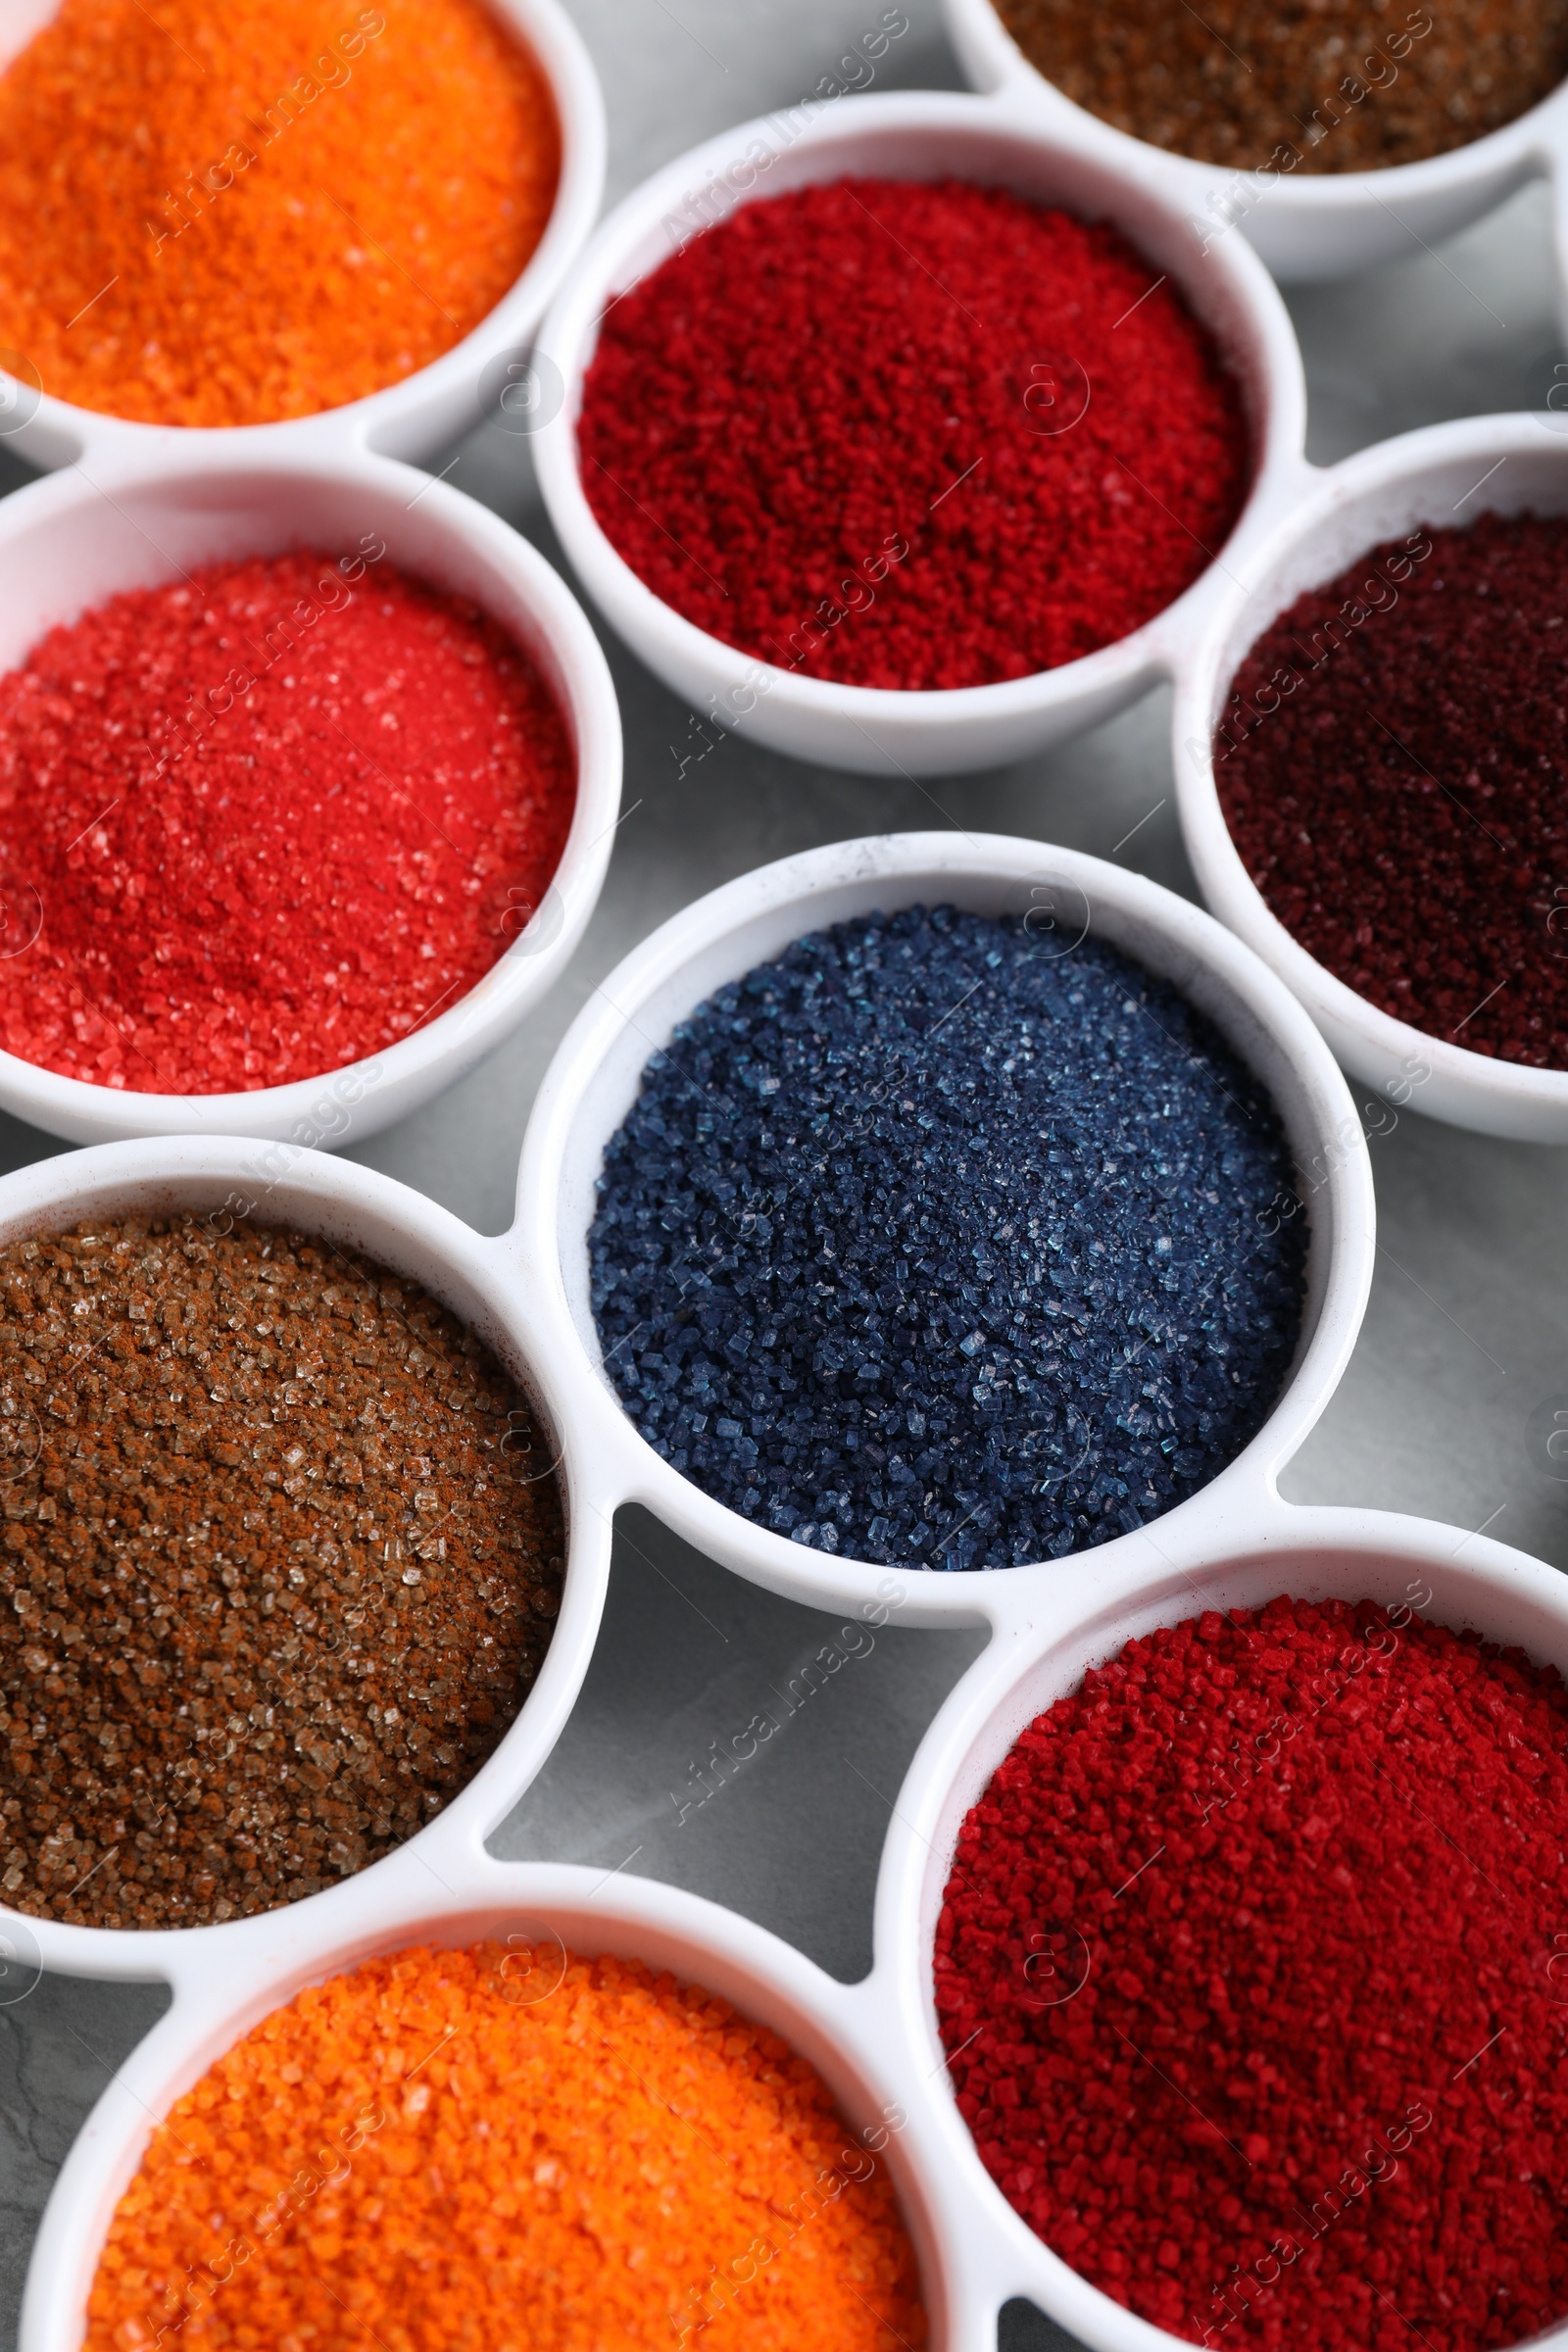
{"points": [[854, 369], [265, 822], [1253, 1968], [1394, 769]]}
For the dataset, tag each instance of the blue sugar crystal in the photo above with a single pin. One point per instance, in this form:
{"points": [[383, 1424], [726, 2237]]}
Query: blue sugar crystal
{"points": [[927, 1245]]}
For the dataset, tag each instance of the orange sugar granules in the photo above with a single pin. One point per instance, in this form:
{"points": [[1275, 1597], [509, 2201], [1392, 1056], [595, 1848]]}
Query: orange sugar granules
{"points": [[507, 2150], [224, 215]]}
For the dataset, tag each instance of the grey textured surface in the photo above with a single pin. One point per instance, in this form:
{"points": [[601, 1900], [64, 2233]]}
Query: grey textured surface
{"points": [[1464, 1338]]}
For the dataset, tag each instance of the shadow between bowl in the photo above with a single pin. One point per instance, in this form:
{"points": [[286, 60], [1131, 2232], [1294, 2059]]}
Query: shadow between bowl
{"points": [[70, 542], [221, 1181], [1429, 480], [411, 418], [915, 135], [597, 1074], [843, 2033], [1439, 1572]]}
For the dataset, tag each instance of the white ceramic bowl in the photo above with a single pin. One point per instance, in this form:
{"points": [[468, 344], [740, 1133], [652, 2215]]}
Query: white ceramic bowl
{"points": [[1441, 477], [227, 1177], [405, 419], [1304, 224], [140, 518], [1040, 1649], [597, 1074], [841, 2030], [914, 135]]}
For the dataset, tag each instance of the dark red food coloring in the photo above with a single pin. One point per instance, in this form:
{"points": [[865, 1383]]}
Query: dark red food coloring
{"points": [[1394, 769], [1254, 1973], [911, 434]]}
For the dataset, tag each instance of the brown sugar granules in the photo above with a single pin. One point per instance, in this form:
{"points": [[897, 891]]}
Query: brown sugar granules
{"points": [[282, 1554], [1305, 85]]}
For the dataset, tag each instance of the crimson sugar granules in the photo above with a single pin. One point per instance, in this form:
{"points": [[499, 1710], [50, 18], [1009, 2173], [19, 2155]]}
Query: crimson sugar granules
{"points": [[1394, 769], [1252, 1975], [909, 434], [283, 1555], [266, 822], [931, 1244], [1299, 85]]}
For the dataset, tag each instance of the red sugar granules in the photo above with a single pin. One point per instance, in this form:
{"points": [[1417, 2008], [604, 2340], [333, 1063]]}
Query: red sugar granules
{"points": [[265, 823], [1253, 1973], [909, 434], [1394, 769]]}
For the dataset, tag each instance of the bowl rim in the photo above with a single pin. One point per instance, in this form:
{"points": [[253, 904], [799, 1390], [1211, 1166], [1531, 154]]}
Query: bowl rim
{"points": [[415, 413], [786, 898], [390, 1083]]}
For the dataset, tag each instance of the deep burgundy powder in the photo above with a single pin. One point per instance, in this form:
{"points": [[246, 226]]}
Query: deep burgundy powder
{"points": [[1394, 769], [1254, 1971], [908, 434]]}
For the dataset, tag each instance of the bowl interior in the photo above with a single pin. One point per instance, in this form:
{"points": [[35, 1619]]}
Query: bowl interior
{"points": [[1501, 1603], [1067, 899], [656, 1931], [884, 140]]}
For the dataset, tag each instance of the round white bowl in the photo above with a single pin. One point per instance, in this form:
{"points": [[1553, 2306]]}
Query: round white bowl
{"points": [[914, 135], [70, 541], [597, 1074], [842, 2031], [1304, 224], [226, 1178], [1441, 477], [418, 414], [1039, 1651]]}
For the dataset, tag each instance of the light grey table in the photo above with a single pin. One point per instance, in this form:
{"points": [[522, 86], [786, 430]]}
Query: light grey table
{"points": [[1464, 1339]]}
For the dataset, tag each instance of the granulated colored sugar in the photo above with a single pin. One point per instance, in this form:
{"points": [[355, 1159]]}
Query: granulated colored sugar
{"points": [[266, 822], [910, 435], [226, 215], [1251, 1970], [1394, 769], [509, 2149], [1299, 85], [929, 1243], [282, 1556]]}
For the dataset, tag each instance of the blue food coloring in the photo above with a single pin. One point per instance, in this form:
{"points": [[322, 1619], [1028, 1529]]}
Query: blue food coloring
{"points": [[930, 1245]]}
